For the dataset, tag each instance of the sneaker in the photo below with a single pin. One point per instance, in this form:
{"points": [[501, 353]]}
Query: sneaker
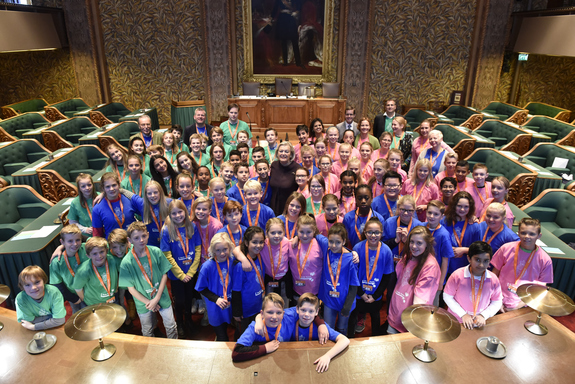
{"points": [[194, 306], [205, 322], [201, 306], [360, 326]]}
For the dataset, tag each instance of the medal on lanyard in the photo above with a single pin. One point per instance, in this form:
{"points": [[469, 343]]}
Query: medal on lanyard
{"points": [[68, 262], [310, 336], [266, 331], [300, 266], [185, 247], [259, 275], [120, 222], [368, 273], [150, 278], [513, 287], [335, 280], [257, 220], [232, 235], [226, 281], [108, 285], [476, 298], [274, 284], [357, 218]]}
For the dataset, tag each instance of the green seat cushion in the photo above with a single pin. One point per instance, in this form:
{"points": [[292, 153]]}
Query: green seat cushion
{"points": [[458, 120], [41, 124], [532, 127], [20, 132], [35, 156], [551, 226], [87, 130], [552, 135], [537, 159], [491, 111], [567, 235], [32, 210], [483, 132], [501, 117], [450, 143], [499, 141], [69, 113], [559, 171], [73, 174], [9, 230], [543, 214], [74, 137], [14, 167]]}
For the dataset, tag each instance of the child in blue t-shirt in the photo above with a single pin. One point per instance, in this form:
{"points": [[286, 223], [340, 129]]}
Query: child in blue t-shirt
{"points": [[339, 281], [354, 221], [255, 213]]}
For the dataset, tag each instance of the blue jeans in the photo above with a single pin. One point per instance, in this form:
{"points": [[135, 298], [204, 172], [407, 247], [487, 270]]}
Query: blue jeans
{"points": [[330, 316], [147, 320], [77, 307]]}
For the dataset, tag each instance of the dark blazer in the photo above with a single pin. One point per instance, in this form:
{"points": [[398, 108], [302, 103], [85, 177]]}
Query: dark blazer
{"points": [[379, 124], [191, 129]]}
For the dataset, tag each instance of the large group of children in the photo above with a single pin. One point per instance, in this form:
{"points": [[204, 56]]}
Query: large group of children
{"points": [[362, 223]]}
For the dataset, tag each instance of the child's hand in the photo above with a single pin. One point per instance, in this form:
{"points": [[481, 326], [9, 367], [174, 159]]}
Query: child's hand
{"points": [[322, 364], [97, 199], [370, 299], [467, 321], [459, 251], [57, 253], [223, 304], [28, 325], [88, 230], [479, 320], [355, 257], [151, 305], [238, 319], [259, 326], [421, 208], [322, 334], [272, 346], [198, 194], [474, 219], [187, 278], [364, 297], [246, 265], [294, 241]]}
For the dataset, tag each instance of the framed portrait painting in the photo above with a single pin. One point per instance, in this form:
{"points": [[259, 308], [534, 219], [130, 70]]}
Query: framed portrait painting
{"points": [[288, 38]]}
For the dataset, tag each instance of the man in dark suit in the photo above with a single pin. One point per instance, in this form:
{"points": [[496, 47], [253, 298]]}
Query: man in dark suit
{"points": [[383, 121], [348, 123], [199, 126]]}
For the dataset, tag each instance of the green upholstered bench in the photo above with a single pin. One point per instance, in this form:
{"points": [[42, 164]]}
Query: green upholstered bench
{"points": [[31, 105], [19, 206], [506, 112], [463, 116], [58, 176], [415, 116], [16, 126], [559, 131], [555, 209], [461, 142], [544, 154], [16, 155], [119, 135], [505, 136], [67, 133], [522, 178], [542, 109], [65, 109], [108, 113]]}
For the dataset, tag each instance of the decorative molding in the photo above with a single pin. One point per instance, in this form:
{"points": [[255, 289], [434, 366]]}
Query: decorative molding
{"points": [[473, 122], [5, 136], [54, 187], [53, 141], [53, 114], [521, 189], [520, 144], [99, 119]]}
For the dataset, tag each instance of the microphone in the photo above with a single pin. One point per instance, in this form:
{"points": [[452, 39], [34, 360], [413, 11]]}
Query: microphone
{"points": [[285, 87]]}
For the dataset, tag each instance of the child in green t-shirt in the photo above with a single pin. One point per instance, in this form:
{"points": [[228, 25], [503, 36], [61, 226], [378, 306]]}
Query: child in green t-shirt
{"points": [[64, 268], [96, 280], [119, 246], [38, 306], [144, 272]]}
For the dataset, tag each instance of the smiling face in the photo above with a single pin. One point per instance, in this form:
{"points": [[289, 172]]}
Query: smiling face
{"points": [[385, 142], [349, 116], [331, 210], [98, 256], [227, 173], [139, 239], [479, 263], [320, 149], [461, 173], [168, 140], [529, 234], [397, 128], [243, 137], [364, 127], [448, 190], [218, 190], [303, 137], [276, 234], [256, 244], [235, 159], [480, 175], [318, 128], [243, 174], [86, 187], [185, 187], [204, 177], [424, 129], [348, 137], [115, 155], [111, 189], [234, 217], [134, 167], [200, 117], [434, 216], [325, 166], [119, 249], [307, 160], [153, 194], [494, 219], [435, 140], [335, 243], [305, 233], [218, 154], [271, 137], [138, 147], [332, 136], [344, 153], [347, 185], [462, 209], [272, 314], [365, 152], [294, 209], [178, 216], [145, 125], [161, 166], [498, 191], [394, 161], [185, 162], [71, 243], [406, 212], [450, 164], [307, 313], [202, 211], [221, 252], [378, 171], [417, 245], [34, 287], [263, 171], [217, 137], [283, 154], [422, 173], [253, 197], [392, 187], [390, 107], [301, 178], [316, 189]]}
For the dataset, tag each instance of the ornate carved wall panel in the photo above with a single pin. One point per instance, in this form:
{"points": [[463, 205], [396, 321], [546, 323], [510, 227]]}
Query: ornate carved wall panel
{"points": [[419, 50], [40, 74], [217, 53], [494, 36], [154, 52]]}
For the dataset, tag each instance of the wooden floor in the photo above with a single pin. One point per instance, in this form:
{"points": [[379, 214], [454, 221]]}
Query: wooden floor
{"points": [[531, 359]]}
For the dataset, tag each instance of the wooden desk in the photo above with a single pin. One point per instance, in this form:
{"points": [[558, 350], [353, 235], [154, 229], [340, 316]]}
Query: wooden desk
{"points": [[385, 359], [279, 112]]}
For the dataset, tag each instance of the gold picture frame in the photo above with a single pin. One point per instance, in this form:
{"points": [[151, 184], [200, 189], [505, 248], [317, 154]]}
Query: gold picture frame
{"points": [[327, 74]]}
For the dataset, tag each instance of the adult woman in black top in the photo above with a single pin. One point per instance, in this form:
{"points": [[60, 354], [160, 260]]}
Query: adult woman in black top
{"points": [[402, 140], [163, 173], [282, 176]]}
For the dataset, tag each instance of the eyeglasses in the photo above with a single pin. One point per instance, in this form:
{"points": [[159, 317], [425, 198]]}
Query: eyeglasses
{"points": [[392, 186], [403, 210], [373, 233]]}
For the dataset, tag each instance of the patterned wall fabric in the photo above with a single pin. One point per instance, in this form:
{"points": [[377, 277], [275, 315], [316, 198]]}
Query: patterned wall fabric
{"points": [[40, 74], [420, 50], [154, 52]]}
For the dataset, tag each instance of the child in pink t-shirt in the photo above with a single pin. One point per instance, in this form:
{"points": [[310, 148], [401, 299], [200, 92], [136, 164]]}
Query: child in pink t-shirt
{"points": [[330, 206], [480, 189], [499, 189], [521, 262], [207, 225], [346, 195], [473, 293], [422, 187], [417, 277], [395, 158], [325, 164]]}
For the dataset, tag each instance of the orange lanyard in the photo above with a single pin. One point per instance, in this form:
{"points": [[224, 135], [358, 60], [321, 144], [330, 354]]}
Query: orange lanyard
{"points": [[310, 337], [270, 154], [464, 186], [327, 225], [155, 218], [218, 210], [87, 210], [315, 214], [494, 235], [357, 218], [365, 169], [144, 273], [335, 280], [368, 273], [332, 153], [400, 245], [132, 185], [517, 278], [205, 244], [242, 196], [118, 172], [232, 235], [476, 297], [225, 282], [230, 129], [185, 245], [256, 221], [169, 189], [479, 193], [433, 230], [265, 191], [347, 206], [460, 239], [327, 189], [214, 174], [68, 262], [120, 223], [273, 266], [424, 145], [388, 206], [431, 159], [259, 275], [292, 234], [108, 284], [417, 195], [200, 160], [397, 141], [266, 331], [376, 189], [301, 266], [151, 139], [302, 190]]}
